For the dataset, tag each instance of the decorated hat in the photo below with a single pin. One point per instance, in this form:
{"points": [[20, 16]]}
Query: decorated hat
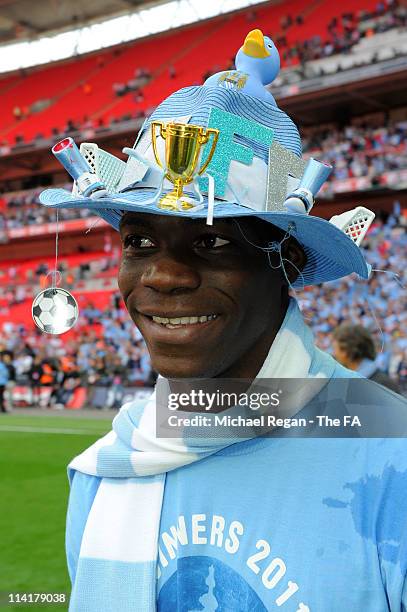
{"points": [[220, 150]]}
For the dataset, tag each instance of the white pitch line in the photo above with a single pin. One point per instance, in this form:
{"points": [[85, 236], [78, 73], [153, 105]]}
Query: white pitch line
{"points": [[53, 430]]}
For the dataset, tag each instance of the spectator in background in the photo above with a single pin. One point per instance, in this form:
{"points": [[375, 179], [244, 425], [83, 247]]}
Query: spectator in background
{"points": [[402, 371], [41, 269], [19, 295], [4, 378], [17, 112], [35, 374], [8, 361], [100, 379], [23, 362], [120, 89], [119, 377], [354, 348], [42, 374]]}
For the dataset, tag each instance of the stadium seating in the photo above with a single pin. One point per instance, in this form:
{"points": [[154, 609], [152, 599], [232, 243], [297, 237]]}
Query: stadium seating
{"points": [[20, 314], [84, 87], [17, 269]]}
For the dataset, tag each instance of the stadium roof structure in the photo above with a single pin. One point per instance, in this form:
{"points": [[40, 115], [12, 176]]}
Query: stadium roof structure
{"points": [[26, 18], [35, 33]]}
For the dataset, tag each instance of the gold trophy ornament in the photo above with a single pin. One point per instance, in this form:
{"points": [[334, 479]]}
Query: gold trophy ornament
{"points": [[183, 144]]}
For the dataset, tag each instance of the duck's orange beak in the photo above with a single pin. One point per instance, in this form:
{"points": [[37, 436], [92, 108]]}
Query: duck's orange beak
{"points": [[254, 45]]}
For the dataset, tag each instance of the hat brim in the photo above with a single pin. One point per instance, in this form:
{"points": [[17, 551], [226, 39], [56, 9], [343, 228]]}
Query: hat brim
{"points": [[331, 254]]}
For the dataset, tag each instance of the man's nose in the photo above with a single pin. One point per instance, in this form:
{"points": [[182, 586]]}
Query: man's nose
{"points": [[169, 275]]}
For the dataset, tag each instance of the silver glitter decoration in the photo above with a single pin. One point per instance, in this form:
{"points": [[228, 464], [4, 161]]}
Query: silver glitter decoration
{"points": [[283, 164], [55, 311]]}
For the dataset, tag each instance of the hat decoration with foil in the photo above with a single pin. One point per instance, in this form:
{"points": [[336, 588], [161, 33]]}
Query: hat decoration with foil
{"points": [[221, 150]]}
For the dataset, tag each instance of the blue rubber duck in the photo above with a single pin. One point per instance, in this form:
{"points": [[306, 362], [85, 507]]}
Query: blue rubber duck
{"points": [[257, 64]]}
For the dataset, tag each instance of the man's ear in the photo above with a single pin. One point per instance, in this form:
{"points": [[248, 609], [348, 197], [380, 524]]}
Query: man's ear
{"points": [[294, 253]]}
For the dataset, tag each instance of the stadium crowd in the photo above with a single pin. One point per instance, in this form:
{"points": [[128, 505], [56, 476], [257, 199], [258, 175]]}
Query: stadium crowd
{"points": [[379, 305], [18, 285], [342, 32], [21, 209], [108, 352], [365, 149]]}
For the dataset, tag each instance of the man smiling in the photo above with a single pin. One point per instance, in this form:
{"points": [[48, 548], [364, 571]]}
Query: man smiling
{"points": [[205, 300], [193, 522]]}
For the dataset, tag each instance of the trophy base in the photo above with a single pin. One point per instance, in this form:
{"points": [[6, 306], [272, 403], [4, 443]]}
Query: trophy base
{"points": [[172, 202]]}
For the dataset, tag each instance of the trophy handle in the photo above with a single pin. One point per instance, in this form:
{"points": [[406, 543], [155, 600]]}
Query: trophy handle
{"points": [[215, 133], [154, 125]]}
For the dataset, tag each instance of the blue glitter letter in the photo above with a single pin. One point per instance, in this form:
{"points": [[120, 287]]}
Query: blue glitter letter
{"points": [[227, 149]]}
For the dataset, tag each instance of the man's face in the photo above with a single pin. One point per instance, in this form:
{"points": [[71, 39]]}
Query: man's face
{"points": [[227, 302]]}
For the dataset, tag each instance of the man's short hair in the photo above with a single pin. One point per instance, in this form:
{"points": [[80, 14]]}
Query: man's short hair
{"points": [[356, 341]]}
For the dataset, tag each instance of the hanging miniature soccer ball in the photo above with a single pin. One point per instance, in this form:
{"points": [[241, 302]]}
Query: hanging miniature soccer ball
{"points": [[55, 311]]}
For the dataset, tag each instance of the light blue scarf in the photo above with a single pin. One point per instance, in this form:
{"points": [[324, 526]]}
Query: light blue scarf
{"points": [[123, 523]]}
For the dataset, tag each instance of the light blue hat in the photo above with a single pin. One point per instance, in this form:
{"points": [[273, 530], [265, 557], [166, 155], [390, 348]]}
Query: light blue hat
{"points": [[256, 164]]}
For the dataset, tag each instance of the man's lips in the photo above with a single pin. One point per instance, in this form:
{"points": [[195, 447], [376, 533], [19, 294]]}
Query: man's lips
{"points": [[176, 314], [176, 333]]}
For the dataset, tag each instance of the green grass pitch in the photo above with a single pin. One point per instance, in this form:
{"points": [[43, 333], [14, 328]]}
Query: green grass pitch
{"points": [[34, 453]]}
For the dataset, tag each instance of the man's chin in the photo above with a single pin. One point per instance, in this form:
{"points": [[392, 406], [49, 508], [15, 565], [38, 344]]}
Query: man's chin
{"points": [[176, 368]]}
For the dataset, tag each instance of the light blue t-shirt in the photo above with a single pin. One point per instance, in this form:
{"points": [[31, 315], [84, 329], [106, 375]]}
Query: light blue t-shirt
{"points": [[4, 374], [278, 524]]}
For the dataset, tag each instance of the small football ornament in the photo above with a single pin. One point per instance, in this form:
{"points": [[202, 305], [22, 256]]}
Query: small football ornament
{"points": [[55, 311]]}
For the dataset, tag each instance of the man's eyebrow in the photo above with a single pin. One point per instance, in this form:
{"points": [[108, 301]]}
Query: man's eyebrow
{"points": [[128, 220]]}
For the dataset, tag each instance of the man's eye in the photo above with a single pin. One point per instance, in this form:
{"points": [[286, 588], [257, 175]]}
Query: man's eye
{"points": [[138, 242], [211, 242]]}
